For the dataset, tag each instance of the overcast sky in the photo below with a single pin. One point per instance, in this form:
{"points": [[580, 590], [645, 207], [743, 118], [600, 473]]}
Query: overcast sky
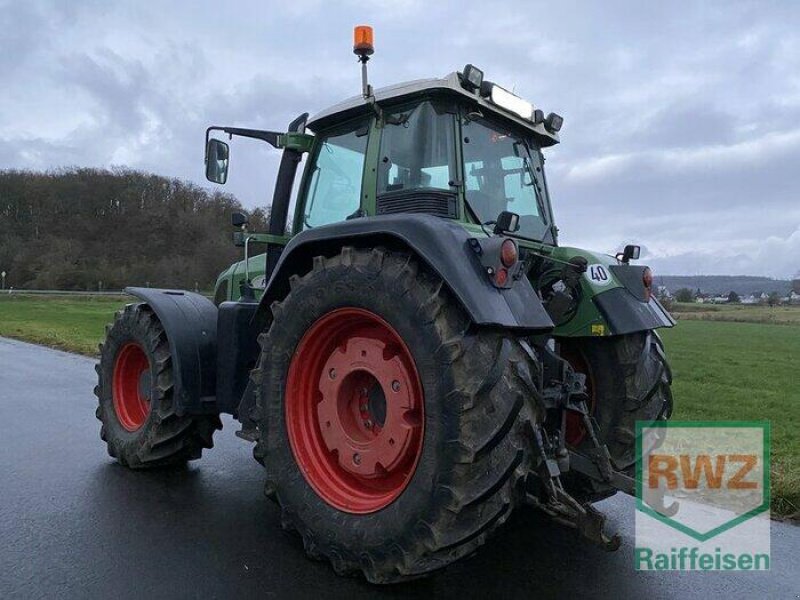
{"points": [[682, 121]]}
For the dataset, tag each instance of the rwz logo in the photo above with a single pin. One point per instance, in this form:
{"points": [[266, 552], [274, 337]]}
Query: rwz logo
{"points": [[690, 470], [698, 481]]}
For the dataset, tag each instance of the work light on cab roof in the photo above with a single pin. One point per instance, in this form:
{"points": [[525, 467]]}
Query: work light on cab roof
{"points": [[472, 79]]}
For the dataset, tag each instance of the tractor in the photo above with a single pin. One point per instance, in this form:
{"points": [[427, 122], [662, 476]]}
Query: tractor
{"points": [[413, 354]]}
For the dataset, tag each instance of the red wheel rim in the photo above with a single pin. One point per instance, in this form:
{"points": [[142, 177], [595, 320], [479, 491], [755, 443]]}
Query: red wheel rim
{"points": [[575, 430], [354, 410], [131, 386]]}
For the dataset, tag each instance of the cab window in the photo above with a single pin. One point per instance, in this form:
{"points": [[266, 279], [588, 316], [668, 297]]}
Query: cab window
{"points": [[417, 149], [502, 171], [334, 187]]}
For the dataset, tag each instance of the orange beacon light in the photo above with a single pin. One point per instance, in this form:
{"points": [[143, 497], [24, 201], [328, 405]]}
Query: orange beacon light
{"points": [[363, 40]]}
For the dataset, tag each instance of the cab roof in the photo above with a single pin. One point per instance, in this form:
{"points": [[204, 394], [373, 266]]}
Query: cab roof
{"points": [[449, 85]]}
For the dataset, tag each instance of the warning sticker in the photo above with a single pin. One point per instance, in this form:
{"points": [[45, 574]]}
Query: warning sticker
{"points": [[599, 329]]}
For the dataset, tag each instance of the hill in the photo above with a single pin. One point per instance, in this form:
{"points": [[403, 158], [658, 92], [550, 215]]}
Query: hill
{"points": [[723, 284], [81, 229]]}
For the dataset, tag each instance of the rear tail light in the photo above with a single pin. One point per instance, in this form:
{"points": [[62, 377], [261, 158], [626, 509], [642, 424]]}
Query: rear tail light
{"points": [[647, 280], [508, 253], [499, 259]]}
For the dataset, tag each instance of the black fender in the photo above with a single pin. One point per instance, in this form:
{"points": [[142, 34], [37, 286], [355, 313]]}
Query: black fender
{"points": [[440, 244], [631, 308], [190, 322], [626, 313]]}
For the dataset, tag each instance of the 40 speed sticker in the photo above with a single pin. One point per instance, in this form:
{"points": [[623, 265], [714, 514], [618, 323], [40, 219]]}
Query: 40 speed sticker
{"points": [[598, 274]]}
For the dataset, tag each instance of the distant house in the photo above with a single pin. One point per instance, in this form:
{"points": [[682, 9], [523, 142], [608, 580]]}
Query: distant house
{"points": [[663, 292], [751, 299], [794, 298]]}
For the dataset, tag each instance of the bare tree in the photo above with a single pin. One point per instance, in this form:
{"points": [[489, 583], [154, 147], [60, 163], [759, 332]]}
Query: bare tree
{"points": [[70, 228]]}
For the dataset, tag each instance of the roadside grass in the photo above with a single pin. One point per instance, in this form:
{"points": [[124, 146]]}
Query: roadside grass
{"points": [[723, 370], [76, 324]]}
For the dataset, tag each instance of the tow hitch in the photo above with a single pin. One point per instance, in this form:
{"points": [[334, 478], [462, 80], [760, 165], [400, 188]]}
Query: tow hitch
{"points": [[556, 502], [564, 390]]}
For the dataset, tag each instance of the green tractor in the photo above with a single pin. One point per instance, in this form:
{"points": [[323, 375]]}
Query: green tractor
{"points": [[413, 355]]}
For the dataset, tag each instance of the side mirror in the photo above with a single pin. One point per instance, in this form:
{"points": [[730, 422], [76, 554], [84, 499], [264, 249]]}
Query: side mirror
{"points": [[217, 155], [238, 219], [506, 222], [630, 252]]}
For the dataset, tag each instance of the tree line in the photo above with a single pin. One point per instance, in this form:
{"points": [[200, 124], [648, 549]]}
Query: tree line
{"points": [[84, 229]]}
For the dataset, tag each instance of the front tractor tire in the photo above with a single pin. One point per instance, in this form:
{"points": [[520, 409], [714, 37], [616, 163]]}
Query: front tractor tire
{"points": [[135, 391], [395, 436]]}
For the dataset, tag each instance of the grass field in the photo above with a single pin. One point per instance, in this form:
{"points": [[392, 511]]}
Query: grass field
{"points": [[725, 367], [743, 371], [737, 313]]}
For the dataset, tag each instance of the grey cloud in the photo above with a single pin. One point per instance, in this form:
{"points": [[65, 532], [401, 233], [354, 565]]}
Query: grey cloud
{"points": [[114, 83], [18, 22]]}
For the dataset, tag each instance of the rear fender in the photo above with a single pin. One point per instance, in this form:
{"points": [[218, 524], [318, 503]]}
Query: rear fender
{"points": [[190, 322]]}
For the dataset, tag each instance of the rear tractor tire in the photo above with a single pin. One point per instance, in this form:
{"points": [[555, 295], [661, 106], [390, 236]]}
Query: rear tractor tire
{"points": [[628, 379], [395, 435], [136, 397]]}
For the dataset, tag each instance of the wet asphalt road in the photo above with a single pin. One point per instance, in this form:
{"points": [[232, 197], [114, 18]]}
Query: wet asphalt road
{"points": [[74, 524]]}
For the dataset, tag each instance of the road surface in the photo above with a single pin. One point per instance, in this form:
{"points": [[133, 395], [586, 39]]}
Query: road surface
{"points": [[74, 524]]}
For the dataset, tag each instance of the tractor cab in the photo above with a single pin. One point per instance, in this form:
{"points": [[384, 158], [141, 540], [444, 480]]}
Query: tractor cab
{"points": [[427, 147]]}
